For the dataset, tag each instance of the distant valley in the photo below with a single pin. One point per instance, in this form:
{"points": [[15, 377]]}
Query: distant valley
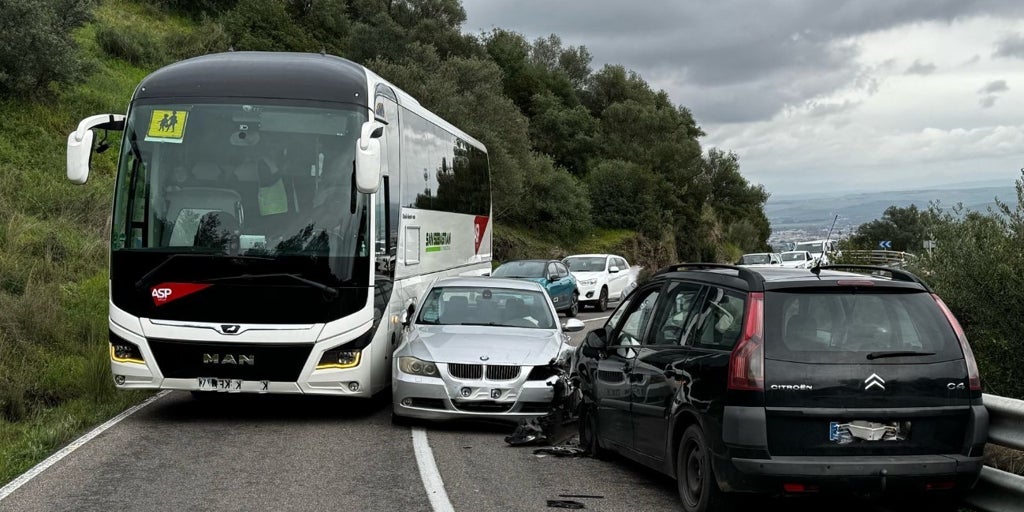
{"points": [[806, 216]]}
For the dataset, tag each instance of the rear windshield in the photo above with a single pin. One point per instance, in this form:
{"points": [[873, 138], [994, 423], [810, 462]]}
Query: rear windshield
{"points": [[847, 327]]}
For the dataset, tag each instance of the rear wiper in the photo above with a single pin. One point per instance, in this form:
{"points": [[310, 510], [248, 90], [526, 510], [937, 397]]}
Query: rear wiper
{"points": [[309, 282], [142, 280], [898, 353]]}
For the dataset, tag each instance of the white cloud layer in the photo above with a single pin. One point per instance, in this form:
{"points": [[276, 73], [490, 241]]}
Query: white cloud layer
{"points": [[858, 95]]}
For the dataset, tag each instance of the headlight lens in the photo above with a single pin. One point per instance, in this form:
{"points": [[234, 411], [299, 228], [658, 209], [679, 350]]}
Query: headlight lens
{"points": [[414, 366], [588, 282], [340, 358]]}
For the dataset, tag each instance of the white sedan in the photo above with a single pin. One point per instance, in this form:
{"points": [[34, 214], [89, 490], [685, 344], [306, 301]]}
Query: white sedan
{"points": [[480, 348]]}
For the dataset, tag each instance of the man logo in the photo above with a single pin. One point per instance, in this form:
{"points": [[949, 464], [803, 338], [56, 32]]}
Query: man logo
{"points": [[230, 329], [241, 359]]}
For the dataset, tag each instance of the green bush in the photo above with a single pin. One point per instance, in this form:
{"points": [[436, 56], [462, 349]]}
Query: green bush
{"points": [[36, 44], [265, 25], [975, 268], [130, 42]]}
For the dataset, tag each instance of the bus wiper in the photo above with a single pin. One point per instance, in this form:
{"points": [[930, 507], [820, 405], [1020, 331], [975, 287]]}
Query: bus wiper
{"points": [[898, 353], [309, 282], [142, 280]]}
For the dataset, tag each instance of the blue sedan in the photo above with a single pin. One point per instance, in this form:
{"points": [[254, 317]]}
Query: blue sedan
{"points": [[553, 275]]}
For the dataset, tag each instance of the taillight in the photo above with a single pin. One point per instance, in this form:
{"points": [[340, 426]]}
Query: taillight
{"points": [[746, 364], [973, 376]]}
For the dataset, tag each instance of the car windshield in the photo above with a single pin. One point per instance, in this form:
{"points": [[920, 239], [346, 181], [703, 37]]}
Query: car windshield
{"points": [[499, 307], [793, 256], [521, 269], [586, 263], [754, 259], [811, 247]]}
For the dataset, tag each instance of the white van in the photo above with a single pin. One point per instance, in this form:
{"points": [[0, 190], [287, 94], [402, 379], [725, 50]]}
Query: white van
{"points": [[824, 250]]}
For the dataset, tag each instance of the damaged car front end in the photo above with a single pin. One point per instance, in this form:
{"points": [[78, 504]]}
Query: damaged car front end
{"points": [[481, 348]]}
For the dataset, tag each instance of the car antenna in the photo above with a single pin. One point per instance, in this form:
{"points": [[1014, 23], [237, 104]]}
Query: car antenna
{"points": [[816, 269]]}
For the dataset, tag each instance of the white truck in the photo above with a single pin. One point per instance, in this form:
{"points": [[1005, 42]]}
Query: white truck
{"points": [[602, 277]]}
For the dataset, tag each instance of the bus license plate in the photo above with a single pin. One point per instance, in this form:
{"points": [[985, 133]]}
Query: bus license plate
{"points": [[215, 384]]}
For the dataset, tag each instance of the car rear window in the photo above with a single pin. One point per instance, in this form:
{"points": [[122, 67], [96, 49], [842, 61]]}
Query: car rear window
{"points": [[832, 326]]}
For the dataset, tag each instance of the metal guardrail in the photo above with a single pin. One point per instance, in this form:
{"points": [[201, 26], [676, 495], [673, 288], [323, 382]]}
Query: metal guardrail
{"points": [[997, 490], [884, 258]]}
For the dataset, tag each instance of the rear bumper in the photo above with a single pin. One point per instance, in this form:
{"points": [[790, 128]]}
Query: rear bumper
{"points": [[917, 472], [745, 464]]}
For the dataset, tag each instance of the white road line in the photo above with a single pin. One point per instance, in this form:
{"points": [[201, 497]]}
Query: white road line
{"points": [[432, 481], [13, 485], [598, 318]]}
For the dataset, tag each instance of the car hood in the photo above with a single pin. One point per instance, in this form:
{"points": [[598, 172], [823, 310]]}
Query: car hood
{"points": [[470, 344]]}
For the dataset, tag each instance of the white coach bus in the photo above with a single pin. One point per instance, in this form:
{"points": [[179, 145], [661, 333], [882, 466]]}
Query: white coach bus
{"points": [[274, 216]]}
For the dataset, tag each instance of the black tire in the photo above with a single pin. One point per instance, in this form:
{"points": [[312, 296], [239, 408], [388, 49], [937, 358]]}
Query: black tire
{"points": [[574, 305], [588, 431], [695, 479], [602, 300]]}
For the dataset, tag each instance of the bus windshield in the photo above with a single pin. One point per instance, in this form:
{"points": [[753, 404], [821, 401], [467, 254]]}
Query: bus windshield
{"points": [[253, 179]]}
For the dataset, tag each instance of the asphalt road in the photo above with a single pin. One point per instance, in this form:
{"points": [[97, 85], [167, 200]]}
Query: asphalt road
{"points": [[250, 452]]}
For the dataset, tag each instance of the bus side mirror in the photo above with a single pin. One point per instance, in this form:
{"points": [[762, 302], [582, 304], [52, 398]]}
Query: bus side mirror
{"points": [[80, 144], [368, 157]]}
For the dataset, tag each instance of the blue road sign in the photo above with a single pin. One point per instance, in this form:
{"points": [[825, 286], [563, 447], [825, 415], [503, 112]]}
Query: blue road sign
{"points": [[885, 244]]}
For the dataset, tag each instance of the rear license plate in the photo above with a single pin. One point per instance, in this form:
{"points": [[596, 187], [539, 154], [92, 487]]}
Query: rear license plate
{"points": [[215, 384]]}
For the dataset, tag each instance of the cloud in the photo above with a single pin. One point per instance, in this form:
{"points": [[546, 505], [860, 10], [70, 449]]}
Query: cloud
{"points": [[987, 101], [1011, 45], [767, 55], [920, 68], [823, 109], [994, 87]]}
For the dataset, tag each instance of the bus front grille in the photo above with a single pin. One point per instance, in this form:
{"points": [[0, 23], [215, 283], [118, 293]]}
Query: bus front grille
{"points": [[179, 359]]}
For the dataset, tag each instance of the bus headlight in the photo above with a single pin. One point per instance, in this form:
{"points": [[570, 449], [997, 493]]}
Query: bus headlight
{"points": [[340, 358], [123, 351], [414, 366]]}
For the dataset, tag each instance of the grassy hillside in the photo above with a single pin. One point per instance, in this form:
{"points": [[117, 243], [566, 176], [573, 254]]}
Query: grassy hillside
{"points": [[55, 377]]}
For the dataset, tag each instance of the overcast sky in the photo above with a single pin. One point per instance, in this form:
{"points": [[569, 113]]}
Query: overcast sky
{"points": [[817, 95]]}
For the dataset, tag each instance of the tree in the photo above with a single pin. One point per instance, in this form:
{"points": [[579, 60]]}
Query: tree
{"points": [[36, 44], [906, 227]]}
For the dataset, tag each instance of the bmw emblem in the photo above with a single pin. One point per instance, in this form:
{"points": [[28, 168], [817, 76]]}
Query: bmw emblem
{"points": [[484, 358]]}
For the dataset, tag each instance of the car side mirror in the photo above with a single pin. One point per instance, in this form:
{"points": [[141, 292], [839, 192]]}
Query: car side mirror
{"points": [[598, 338], [552, 277], [368, 157], [573, 325], [407, 316], [613, 270]]}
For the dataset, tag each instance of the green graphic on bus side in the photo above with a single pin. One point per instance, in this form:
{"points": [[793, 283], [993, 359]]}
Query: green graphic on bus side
{"points": [[438, 241]]}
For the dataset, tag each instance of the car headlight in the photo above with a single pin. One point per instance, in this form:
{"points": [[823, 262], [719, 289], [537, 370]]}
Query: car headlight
{"points": [[588, 282], [414, 366]]}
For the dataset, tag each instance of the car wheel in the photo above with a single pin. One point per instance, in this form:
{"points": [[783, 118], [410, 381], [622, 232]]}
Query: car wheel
{"points": [[574, 305], [602, 300], [694, 477], [588, 434]]}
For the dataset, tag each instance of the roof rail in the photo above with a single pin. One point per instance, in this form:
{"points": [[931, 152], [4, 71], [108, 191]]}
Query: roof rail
{"points": [[753, 279], [897, 274]]}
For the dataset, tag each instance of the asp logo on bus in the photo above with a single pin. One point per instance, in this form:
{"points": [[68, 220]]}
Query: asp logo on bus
{"points": [[167, 292]]}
